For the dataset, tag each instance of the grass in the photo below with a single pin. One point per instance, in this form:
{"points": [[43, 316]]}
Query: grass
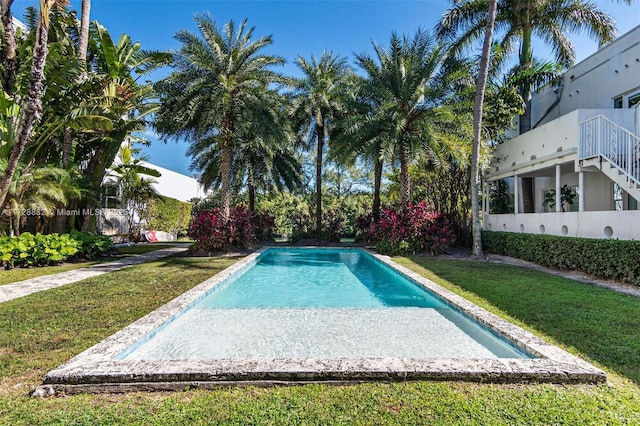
{"points": [[19, 274], [40, 331]]}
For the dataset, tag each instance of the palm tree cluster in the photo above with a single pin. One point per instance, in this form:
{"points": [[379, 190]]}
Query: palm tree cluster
{"points": [[70, 97]]}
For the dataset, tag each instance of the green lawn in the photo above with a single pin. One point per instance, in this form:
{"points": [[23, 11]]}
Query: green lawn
{"points": [[19, 274], [40, 331]]}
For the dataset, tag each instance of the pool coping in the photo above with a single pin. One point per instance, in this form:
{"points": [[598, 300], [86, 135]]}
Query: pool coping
{"points": [[95, 369]]}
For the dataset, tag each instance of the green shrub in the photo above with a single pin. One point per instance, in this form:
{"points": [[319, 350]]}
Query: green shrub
{"points": [[91, 245], [51, 249], [37, 250], [610, 259], [169, 215]]}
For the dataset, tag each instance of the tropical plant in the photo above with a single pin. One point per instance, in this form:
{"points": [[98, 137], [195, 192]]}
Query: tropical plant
{"points": [[481, 84], [127, 103], [217, 78], [134, 189], [414, 229], [319, 99], [215, 231], [35, 191], [520, 21], [265, 158], [31, 110], [567, 196], [410, 85]]}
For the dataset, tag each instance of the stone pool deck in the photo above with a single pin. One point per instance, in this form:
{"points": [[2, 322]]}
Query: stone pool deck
{"points": [[102, 369], [46, 282]]}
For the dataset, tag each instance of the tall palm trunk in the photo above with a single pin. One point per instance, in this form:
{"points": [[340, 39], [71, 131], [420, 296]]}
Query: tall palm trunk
{"points": [[320, 137], [251, 189], [61, 221], [481, 85], [32, 110], [83, 40], [377, 182], [10, 59], [226, 159], [226, 154], [405, 183]]}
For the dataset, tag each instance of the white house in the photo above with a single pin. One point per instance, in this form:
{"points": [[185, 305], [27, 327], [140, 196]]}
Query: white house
{"points": [[112, 219], [585, 135]]}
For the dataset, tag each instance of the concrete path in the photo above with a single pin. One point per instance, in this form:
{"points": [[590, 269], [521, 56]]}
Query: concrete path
{"points": [[45, 282]]}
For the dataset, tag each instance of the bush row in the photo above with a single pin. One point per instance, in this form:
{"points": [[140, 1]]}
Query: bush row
{"points": [[416, 229], [213, 232], [42, 250], [610, 259]]}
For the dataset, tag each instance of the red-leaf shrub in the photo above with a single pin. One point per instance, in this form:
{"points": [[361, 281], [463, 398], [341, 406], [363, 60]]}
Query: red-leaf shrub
{"points": [[213, 232], [413, 230]]}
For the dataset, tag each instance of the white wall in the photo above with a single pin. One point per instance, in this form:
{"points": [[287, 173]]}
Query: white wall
{"points": [[595, 224], [176, 185], [612, 71]]}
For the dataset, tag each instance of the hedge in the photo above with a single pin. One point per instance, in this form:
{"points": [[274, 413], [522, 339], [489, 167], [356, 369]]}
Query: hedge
{"points": [[169, 215], [610, 259]]}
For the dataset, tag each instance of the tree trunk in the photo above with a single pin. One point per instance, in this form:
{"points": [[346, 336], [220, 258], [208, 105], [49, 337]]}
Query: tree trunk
{"points": [[83, 40], [405, 183], [226, 160], [10, 59], [320, 137], [481, 85], [377, 181], [252, 197], [32, 110], [225, 177]]}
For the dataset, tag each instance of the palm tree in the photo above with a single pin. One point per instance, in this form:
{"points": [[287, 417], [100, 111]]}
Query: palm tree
{"points": [[35, 190], [133, 187], [361, 136], [520, 21], [265, 158], [32, 104], [319, 99], [477, 128], [411, 87], [118, 96], [216, 77]]}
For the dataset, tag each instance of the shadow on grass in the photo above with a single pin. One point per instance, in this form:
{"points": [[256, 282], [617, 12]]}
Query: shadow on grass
{"points": [[193, 262], [600, 324]]}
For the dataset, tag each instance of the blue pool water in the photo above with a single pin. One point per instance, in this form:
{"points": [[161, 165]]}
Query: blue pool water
{"points": [[320, 303], [319, 278]]}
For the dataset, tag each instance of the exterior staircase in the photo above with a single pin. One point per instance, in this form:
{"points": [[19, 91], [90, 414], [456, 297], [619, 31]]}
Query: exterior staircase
{"points": [[612, 149]]}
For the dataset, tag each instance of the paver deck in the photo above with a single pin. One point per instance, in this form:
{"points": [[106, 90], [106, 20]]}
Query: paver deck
{"points": [[46, 282]]}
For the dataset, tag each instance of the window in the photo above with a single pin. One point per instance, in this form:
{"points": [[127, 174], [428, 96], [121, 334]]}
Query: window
{"points": [[634, 99], [618, 194], [110, 196], [633, 203], [617, 102]]}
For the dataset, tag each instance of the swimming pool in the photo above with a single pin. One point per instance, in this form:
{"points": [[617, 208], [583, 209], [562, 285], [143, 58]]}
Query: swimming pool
{"points": [[328, 303], [300, 315]]}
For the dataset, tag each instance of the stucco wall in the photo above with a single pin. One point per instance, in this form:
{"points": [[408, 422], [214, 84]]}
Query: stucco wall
{"points": [[595, 224], [176, 185], [612, 71]]}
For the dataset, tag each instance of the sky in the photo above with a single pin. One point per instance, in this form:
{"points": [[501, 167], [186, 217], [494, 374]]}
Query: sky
{"points": [[299, 28]]}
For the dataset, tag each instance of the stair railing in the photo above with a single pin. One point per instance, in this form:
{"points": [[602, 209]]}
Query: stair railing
{"points": [[599, 136]]}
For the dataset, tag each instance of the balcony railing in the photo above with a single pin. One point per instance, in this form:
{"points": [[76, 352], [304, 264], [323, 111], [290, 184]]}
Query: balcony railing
{"points": [[600, 136]]}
